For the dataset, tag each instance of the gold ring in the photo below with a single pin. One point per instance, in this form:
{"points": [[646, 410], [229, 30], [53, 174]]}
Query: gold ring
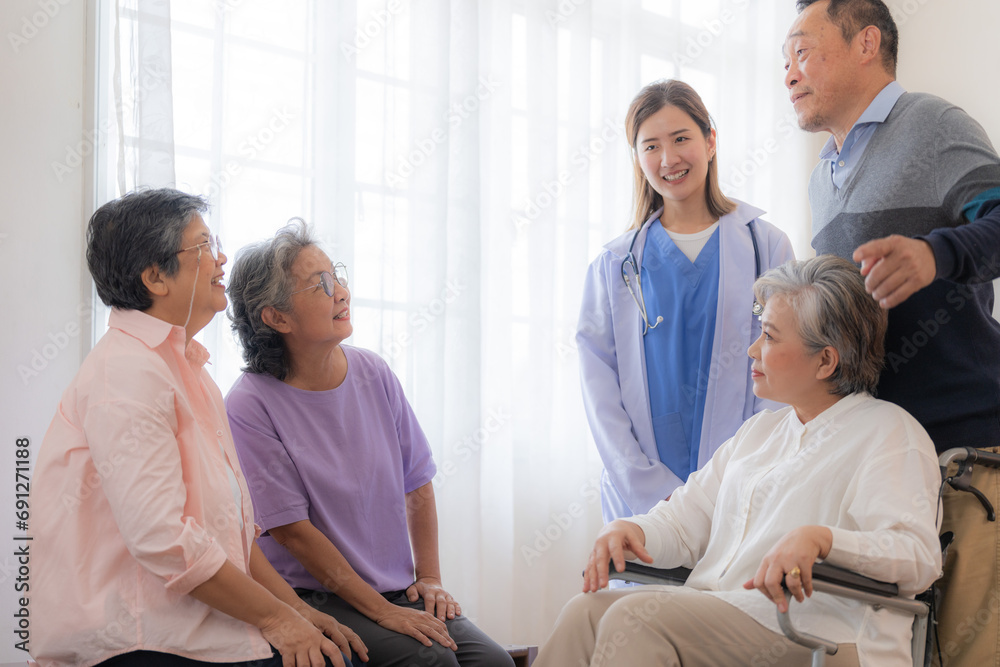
{"points": [[795, 572]]}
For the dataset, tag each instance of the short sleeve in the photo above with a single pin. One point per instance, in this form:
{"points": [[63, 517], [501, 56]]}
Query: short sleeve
{"points": [[418, 463], [279, 496]]}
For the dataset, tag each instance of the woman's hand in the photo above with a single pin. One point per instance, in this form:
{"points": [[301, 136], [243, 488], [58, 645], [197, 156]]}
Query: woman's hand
{"points": [[421, 625], [618, 541], [345, 638], [300, 642], [437, 600], [794, 553]]}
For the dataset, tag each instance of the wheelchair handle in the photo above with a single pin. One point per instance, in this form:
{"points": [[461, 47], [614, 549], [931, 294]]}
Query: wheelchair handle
{"points": [[969, 454], [967, 457]]}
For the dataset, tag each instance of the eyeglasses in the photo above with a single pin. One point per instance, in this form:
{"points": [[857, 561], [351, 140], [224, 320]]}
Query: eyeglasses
{"points": [[326, 280], [214, 247]]}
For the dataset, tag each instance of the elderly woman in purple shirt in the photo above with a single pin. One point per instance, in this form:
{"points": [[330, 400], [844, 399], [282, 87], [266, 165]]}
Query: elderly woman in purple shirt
{"points": [[338, 467]]}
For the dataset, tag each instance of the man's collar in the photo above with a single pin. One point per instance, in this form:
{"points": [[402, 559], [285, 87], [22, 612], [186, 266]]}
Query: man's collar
{"points": [[883, 103], [876, 112]]}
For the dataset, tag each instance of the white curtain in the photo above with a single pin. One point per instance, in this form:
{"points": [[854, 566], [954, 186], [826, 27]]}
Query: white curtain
{"points": [[466, 161], [143, 96]]}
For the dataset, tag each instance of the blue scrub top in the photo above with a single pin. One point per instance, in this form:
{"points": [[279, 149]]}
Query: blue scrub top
{"points": [[679, 350]]}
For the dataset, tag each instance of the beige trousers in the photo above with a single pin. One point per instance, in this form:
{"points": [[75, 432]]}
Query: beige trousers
{"points": [[969, 613], [668, 626]]}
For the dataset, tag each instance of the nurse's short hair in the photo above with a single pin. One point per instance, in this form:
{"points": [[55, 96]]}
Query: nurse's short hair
{"points": [[261, 277], [828, 296], [128, 235]]}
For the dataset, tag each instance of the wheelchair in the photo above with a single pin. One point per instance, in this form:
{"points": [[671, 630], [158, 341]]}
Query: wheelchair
{"points": [[843, 583]]}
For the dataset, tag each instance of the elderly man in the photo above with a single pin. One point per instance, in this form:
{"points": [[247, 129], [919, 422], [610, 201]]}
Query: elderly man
{"points": [[908, 185]]}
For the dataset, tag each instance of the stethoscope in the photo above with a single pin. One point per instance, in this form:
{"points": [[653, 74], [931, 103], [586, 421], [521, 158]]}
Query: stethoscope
{"points": [[637, 293]]}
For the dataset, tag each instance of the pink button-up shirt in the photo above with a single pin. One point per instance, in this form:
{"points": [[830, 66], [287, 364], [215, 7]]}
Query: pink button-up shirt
{"points": [[136, 499]]}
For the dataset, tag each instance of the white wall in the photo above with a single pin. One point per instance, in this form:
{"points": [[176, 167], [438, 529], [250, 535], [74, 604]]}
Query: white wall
{"points": [[41, 242], [949, 48]]}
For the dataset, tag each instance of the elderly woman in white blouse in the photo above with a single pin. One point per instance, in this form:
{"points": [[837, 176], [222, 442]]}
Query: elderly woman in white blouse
{"points": [[837, 476]]}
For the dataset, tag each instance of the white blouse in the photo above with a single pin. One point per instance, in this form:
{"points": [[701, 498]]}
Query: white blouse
{"points": [[863, 468]]}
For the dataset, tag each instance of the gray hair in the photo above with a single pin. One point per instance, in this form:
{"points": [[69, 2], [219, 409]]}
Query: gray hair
{"points": [[261, 277], [828, 296], [132, 233]]}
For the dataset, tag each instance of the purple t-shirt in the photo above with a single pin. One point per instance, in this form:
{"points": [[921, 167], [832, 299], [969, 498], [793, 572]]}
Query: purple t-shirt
{"points": [[343, 458]]}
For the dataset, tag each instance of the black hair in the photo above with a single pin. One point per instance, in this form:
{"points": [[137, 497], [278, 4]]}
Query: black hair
{"points": [[132, 233], [853, 16]]}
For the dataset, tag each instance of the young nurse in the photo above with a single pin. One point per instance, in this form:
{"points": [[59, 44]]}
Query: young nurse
{"points": [[668, 309]]}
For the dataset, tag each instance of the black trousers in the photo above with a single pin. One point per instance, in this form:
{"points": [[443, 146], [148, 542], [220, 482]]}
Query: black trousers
{"points": [[387, 648], [157, 659]]}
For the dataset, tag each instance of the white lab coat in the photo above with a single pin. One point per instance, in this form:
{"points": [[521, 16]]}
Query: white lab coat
{"points": [[613, 365]]}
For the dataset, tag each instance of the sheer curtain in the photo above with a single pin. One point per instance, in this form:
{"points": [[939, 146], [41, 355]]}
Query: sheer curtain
{"points": [[466, 160]]}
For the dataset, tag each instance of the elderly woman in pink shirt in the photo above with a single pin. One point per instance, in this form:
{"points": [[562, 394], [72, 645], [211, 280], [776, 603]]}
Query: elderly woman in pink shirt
{"points": [[144, 542]]}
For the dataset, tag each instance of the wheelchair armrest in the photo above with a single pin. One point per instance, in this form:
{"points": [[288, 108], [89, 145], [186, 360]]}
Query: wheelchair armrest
{"points": [[837, 575], [638, 573], [822, 572], [844, 583]]}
